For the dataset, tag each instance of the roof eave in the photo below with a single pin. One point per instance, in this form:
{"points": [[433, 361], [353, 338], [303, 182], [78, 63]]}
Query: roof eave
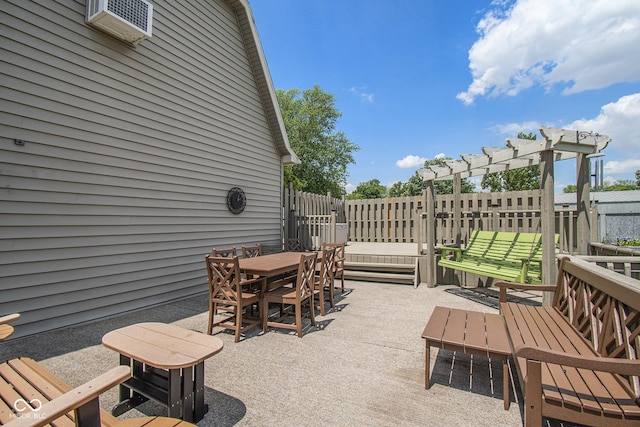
{"points": [[263, 80]]}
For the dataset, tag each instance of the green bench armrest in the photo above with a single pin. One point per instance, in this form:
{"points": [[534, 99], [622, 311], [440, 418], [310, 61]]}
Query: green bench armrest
{"points": [[457, 251]]}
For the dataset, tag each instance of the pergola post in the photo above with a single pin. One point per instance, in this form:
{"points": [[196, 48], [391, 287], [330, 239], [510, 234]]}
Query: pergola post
{"points": [[457, 189], [430, 210], [583, 228], [547, 218]]}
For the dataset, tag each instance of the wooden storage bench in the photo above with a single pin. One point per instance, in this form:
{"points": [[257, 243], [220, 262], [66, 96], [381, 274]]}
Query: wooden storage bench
{"points": [[470, 332], [577, 360]]}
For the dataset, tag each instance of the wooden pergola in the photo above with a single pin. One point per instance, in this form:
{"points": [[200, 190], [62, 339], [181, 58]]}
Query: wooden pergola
{"points": [[556, 144]]}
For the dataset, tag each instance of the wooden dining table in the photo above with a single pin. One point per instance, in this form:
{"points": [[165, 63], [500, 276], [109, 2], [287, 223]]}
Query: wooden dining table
{"points": [[271, 265]]}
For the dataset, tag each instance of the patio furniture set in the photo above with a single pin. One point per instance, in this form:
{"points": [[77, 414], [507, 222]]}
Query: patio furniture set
{"points": [[239, 286], [576, 360]]}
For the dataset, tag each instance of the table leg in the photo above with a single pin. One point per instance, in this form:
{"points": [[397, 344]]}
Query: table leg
{"points": [[199, 406], [187, 394], [128, 398], [174, 399], [427, 364], [505, 382]]}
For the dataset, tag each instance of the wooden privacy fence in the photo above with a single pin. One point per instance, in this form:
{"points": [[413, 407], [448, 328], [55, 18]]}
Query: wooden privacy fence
{"points": [[402, 219], [313, 218]]}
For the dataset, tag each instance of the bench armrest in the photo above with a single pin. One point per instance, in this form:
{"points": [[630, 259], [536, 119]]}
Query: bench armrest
{"points": [[456, 251], [595, 363], [74, 399], [504, 285]]}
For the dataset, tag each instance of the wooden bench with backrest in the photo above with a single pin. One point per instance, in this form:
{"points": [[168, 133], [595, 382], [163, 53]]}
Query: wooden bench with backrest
{"points": [[577, 360], [515, 257]]}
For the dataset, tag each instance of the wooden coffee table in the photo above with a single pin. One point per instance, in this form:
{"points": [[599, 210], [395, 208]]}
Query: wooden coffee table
{"points": [[471, 332], [167, 365]]}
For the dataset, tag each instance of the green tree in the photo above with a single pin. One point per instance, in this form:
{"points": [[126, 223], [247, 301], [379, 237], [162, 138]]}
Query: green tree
{"points": [[638, 178], [310, 118], [371, 189], [620, 185], [514, 179], [413, 187], [446, 186]]}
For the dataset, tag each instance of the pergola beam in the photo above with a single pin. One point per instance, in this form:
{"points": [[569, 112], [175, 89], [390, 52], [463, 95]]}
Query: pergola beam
{"points": [[519, 153]]}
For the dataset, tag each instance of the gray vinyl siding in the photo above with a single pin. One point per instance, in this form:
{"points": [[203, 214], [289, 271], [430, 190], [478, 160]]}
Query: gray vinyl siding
{"points": [[120, 187]]}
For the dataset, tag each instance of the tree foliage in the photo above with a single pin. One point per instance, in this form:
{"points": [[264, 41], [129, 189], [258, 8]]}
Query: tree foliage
{"points": [[310, 118], [514, 179], [371, 189], [413, 187], [619, 185]]}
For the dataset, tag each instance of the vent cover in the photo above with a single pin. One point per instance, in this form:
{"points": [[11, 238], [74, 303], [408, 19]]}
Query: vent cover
{"points": [[128, 20]]}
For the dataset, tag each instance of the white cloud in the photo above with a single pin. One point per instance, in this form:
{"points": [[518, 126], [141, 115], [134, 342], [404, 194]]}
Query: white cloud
{"points": [[511, 130], [615, 167], [619, 120], [349, 188], [579, 44], [365, 97], [410, 161]]}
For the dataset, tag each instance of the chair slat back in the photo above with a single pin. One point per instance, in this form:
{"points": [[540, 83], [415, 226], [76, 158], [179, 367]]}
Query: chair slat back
{"points": [[305, 282], [224, 279], [327, 267], [226, 252], [251, 251], [339, 256], [293, 245]]}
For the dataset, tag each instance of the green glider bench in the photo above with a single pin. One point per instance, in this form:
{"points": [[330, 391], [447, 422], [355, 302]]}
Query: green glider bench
{"points": [[516, 257]]}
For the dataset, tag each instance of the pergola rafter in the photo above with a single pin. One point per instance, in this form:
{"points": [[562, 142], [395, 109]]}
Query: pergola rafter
{"points": [[519, 153], [556, 144]]}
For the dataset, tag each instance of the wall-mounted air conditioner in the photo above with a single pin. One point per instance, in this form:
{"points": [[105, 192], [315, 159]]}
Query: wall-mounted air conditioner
{"points": [[128, 20]]}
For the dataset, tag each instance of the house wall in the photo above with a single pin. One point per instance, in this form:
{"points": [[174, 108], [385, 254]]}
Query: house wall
{"points": [[119, 188]]}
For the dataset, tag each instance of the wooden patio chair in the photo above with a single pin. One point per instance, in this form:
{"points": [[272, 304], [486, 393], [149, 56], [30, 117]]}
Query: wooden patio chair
{"points": [[324, 277], [251, 251], [6, 330], [338, 270], [225, 252], [228, 288], [39, 398], [293, 245], [293, 296]]}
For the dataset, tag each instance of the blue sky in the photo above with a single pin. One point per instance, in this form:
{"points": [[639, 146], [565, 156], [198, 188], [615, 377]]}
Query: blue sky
{"points": [[416, 79]]}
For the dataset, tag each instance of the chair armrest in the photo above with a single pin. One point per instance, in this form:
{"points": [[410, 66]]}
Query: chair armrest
{"points": [[596, 363], [9, 318], [73, 399], [6, 330], [504, 285]]}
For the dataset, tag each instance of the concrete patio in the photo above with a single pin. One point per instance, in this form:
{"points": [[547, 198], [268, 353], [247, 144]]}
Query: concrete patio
{"points": [[363, 365]]}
